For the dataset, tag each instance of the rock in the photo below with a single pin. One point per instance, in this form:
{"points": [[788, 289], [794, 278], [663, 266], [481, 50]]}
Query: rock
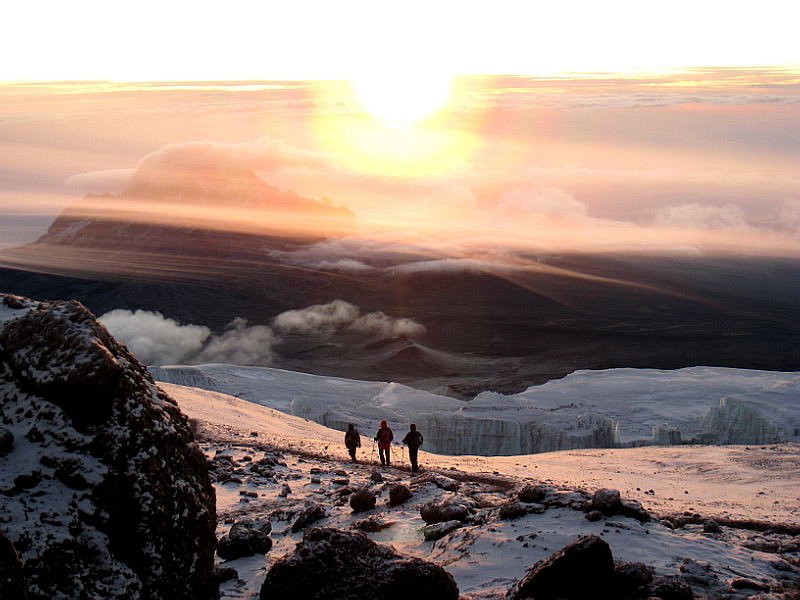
{"points": [[447, 509], [363, 569], [372, 524], [629, 577], [28, 481], [711, 526], [515, 510], [398, 494], [123, 448], [742, 583], [376, 476], [671, 588], [362, 500], [580, 570], [245, 538], [316, 480], [310, 514], [440, 481], [532, 493], [224, 574], [607, 501], [6, 441], [575, 500], [12, 578], [697, 572], [284, 491], [439, 530], [633, 509], [69, 472], [594, 515]]}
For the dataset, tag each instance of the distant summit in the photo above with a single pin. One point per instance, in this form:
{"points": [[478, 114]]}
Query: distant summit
{"points": [[196, 179]]}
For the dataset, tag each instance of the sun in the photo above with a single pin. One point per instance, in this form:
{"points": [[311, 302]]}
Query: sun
{"points": [[402, 99]]}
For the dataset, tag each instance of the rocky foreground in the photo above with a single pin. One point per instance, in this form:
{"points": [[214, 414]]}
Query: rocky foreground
{"points": [[107, 490], [490, 536]]}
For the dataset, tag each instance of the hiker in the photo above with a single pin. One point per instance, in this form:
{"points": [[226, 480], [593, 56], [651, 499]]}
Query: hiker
{"points": [[352, 439], [384, 438], [413, 440]]}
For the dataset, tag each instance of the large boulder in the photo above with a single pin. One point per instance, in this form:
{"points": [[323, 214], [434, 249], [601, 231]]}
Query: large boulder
{"points": [[108, 493], [580, 570], [362, 569]]}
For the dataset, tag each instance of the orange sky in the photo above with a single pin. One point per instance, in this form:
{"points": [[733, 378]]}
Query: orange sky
{"points": [[700, 161]]}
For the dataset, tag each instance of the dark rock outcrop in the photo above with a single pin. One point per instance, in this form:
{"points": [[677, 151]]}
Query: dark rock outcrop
{"points": [[310, 514], [362, 500], [532, 493], [438, 530], [630, 577], [671, 588], [580, 570], [6, 441], [515, 510], [245, 538], [607, 501], [398, 494], [112, 498], [363, 569], [444, 509]]}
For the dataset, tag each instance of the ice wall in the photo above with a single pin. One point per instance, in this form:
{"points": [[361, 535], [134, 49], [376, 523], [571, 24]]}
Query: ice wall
{"points": [[586, 409], [463, 433], [735, 421]]}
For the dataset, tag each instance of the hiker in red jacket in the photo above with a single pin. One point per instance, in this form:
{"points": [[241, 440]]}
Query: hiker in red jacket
{"points": [[384, 438]]}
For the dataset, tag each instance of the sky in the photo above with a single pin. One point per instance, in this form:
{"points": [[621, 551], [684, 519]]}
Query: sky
{"points": [[245, 40], [624, 126]]}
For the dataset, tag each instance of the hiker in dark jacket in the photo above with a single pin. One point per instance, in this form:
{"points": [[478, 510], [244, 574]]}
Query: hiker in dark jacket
{"points": [[413, 440], [384, 438], [352, 439]]}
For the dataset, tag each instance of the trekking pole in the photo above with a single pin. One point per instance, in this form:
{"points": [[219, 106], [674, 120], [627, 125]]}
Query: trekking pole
{"points": [[372, 456]]}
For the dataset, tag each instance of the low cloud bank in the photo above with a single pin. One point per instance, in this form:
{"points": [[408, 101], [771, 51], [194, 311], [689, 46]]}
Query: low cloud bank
{"points": [[158, 340]]}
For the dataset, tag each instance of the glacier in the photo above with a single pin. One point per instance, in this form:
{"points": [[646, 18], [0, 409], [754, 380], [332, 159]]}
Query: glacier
{"points": [[586, 409]]}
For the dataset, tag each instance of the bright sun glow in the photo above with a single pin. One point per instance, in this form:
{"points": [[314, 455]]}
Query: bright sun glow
{"points": [[398, 99]]}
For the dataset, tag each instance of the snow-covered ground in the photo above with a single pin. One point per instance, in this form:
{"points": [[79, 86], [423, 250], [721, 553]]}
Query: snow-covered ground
{"points": [[487, 555], [586, 409]]}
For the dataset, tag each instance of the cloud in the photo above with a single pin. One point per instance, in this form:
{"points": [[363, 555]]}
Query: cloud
{"points": [[379, 325], [241, 345], [703, 216], [324, 320], [550, 203], [108, 181], [158, 340], [153, 338], [319, 319]]}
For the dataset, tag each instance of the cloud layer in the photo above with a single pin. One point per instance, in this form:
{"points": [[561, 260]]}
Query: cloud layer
{"points": [[158, 340]]}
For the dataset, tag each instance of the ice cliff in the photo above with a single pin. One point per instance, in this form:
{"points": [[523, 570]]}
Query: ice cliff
{"points": [[587, 409]]}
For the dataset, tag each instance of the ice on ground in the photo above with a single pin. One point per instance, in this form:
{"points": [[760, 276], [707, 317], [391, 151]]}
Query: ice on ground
{"points": [[586, 409]]}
